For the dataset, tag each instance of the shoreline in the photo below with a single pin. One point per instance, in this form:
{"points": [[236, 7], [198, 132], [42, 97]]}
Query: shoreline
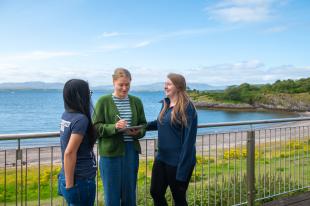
{"points": [[271, 133], [244, 107]]}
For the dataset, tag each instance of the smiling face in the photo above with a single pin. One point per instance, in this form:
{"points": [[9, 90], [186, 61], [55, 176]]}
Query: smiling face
{"points": [[121, 87], [170, 89]]}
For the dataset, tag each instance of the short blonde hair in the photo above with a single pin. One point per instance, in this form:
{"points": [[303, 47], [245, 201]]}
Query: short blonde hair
{"points": [[121, 72]]}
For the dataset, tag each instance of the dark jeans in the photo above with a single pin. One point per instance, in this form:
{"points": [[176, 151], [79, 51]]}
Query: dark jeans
{"points": [[164, 175], [83, 192]]}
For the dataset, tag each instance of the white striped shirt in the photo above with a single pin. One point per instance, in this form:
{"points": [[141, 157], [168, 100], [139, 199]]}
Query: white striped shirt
{"points": [[123, 106]]}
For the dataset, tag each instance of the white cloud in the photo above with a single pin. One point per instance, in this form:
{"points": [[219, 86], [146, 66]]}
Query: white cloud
{"points": [[37, 55], [251, 65], [142, 44], [247, 2], [112, 47], [109, 34], [140, 40], [96, 75], [253, 72], [16, 73], [191, 32], [236, 11], [147, 75], [119, 46]]}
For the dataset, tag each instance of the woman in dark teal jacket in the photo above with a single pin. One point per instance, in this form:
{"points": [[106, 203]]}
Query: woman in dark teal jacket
{"points": [[177, 129], [119, 151]]}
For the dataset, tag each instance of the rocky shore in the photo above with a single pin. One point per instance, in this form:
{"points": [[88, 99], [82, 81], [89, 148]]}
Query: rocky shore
{"points": [[275, 102], [209, 105], [256, 106]]}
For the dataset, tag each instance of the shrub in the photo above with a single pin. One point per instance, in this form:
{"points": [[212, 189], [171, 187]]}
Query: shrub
{"points": [[294, 144]]}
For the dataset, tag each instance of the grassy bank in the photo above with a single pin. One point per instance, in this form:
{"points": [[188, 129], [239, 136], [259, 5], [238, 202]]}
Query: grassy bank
{"points": [[288, 95]]}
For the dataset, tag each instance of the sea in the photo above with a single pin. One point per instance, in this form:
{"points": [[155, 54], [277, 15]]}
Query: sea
{"points": [[34, 111]]}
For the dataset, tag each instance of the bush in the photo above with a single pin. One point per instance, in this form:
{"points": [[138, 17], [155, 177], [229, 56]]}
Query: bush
{"points": [[294, 144]]}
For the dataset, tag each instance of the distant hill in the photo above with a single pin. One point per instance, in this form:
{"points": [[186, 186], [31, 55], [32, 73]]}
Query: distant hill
{"points": [[147, 87], [31, 85], [159, 86], [104, 87], [201, 86]]}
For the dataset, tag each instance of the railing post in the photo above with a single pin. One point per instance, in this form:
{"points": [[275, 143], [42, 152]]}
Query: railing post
{"points": [[19, 155], [251, 167], [155, 148]]}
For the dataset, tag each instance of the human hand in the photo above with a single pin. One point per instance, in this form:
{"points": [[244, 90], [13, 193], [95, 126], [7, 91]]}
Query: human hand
{"points": [[133, 132], [120, 124]]}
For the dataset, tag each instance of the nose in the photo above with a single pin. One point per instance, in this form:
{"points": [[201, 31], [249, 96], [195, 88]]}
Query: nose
{"points": [[124, 88]]}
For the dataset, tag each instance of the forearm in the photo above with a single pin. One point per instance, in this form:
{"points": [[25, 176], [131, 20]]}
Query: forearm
{"points": [[188, 151], [103, 121], [185, 165], [141, 133], [105, 130], [151, 126], [141, 121], [69, 166]]}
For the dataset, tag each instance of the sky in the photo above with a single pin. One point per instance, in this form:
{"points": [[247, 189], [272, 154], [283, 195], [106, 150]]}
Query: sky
{"points": [[222, 42]]}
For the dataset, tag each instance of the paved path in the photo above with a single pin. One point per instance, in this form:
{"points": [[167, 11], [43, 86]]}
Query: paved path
{"points": [[297, 200]]}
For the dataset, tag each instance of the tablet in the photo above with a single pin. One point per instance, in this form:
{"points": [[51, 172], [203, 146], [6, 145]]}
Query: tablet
{"points": [[131, 127]]}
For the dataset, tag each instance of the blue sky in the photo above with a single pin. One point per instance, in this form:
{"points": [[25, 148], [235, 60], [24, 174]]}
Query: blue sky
{"points": [[215, 42]]}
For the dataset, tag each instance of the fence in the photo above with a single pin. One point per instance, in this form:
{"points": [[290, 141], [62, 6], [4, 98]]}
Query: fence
{"points": [[244, 166]]}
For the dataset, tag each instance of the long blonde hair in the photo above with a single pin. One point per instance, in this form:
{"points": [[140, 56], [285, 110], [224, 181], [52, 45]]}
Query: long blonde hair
{"points": [[178, 114]]}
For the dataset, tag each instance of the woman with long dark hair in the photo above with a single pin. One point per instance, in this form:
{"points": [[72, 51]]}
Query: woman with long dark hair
{"points": [[176, 157], [76, 180]]}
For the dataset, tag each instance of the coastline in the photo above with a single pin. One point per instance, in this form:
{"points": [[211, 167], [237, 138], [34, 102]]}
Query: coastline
{"points": [[51, 155], [304, 114], [246, 107]]}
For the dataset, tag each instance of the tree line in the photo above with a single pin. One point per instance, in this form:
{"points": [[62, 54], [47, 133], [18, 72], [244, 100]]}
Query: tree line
{"points": [[250, 94]]}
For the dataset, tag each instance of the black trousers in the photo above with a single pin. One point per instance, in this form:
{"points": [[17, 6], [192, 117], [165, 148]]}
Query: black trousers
{"points": [[164, 175]]}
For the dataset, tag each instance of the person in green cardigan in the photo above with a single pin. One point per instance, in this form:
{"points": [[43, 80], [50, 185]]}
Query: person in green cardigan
{"points": [[119, 147]]}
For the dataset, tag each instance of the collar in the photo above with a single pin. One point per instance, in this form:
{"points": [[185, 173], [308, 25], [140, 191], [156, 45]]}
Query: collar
{"points": [[167, 100]]}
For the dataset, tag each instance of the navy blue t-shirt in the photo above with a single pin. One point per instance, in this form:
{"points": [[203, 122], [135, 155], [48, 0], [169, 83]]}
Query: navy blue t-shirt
{"points": [[77, 123]]}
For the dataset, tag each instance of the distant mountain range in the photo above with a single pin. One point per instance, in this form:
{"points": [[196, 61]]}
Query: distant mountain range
{"points": [[147, 87], [160, 85], [31, 85]]}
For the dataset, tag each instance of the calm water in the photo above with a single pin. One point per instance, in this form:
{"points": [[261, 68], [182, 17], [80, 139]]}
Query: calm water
{"points": [[40, 111]]}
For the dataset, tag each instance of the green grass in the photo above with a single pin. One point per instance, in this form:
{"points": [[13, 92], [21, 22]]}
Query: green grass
{"points": [[222, 181]]}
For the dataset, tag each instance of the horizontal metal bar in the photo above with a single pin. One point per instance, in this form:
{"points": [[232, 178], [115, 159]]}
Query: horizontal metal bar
{"points": [[282, 193], [28, 135], [221, 124]]}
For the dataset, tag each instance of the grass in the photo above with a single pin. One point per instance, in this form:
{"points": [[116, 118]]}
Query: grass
{"points": [[215, 181]]}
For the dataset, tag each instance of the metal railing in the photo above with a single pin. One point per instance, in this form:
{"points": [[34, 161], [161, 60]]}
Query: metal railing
{"points": [[233, 167]]}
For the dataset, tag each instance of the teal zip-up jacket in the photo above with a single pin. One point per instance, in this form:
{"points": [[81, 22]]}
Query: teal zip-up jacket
{"points": [[111, 142]]}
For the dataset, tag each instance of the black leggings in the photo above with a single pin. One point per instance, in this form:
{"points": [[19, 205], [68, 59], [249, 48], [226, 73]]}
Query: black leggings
{"points": [[163, 176]]}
